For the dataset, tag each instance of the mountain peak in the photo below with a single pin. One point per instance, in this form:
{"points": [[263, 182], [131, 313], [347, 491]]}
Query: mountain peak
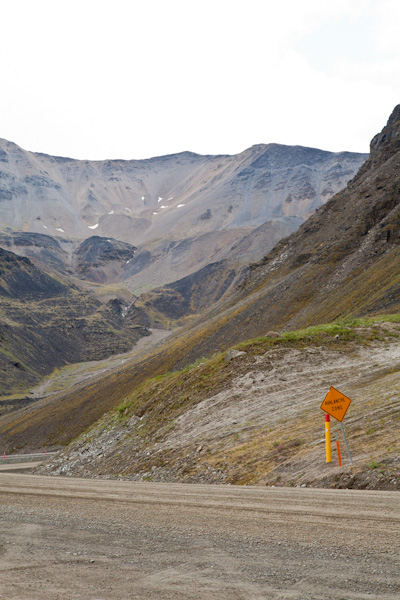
{"points": [[387, 142]]}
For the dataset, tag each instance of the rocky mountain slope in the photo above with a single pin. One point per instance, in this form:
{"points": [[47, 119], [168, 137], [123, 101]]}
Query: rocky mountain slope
{"points": [[344, 260], [46, 322], [208, 202], [144, 199], [211, 225], [222, 271], [96, 259]]}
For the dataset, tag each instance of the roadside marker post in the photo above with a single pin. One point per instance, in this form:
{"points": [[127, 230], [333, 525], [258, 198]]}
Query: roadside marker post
{"points": [[336, 405], [338, 451], [328, 438]]}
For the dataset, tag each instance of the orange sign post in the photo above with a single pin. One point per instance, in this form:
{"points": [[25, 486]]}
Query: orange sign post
{"points": [[328, 438], [336, 405]]}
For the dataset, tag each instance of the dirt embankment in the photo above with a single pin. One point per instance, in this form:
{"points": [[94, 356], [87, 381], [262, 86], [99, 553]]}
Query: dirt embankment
{"points": [[254, 417]]}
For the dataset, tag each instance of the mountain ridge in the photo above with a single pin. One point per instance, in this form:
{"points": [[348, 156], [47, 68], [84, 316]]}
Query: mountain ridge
{"points": [[155, 204], [160, 186]]}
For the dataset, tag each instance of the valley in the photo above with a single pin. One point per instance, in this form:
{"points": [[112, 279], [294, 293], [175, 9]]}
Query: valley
{"points": [[116, 257], [67, 377]]}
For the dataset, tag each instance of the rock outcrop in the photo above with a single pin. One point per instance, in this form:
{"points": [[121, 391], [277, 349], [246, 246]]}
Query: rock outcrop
{"points": [[102, 259]]}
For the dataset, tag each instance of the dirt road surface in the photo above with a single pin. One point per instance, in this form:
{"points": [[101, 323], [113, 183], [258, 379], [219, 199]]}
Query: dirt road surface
{"points": [[65, 538]]}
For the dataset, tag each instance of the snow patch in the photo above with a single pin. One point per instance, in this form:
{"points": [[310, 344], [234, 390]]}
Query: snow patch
{"points": [[170, 198], [45, 226], [159, 198], [111, 212], [125, 310], [143, 198], [93, 226], [59, 229], [155, 213], [180, 205], [128, 209], [163, 206]]}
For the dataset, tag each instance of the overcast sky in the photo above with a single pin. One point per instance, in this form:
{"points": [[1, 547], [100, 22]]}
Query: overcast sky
{"points": [[128, 79]]}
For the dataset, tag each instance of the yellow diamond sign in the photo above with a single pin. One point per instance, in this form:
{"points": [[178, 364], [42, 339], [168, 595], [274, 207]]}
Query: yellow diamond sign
{"points": [[336, 404]]}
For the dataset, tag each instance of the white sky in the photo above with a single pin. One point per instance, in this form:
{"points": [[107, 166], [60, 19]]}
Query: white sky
{"points": [[127, 79]]}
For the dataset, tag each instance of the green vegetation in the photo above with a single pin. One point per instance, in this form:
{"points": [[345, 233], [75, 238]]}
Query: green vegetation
{"points": [[350, 329]]}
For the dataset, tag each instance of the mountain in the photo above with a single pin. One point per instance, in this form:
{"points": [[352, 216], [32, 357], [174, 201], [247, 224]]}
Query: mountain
{"points": [[95, 259], [61, 214], [341, 263], [181, 211], [249, 415], [210, 243], [344, 260]]}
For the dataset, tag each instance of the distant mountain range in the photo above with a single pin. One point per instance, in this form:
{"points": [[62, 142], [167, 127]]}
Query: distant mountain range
{"points": [[180, 212]]}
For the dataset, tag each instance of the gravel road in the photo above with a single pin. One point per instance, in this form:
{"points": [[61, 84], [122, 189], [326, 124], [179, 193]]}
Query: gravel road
{"points": [[64, 538]]}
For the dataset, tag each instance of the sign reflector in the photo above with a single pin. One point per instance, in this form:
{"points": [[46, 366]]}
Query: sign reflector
{"points": [[336, 404]]}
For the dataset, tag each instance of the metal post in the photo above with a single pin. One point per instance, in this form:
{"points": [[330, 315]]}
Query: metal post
{"points": [[345, 441], [328, 438]]}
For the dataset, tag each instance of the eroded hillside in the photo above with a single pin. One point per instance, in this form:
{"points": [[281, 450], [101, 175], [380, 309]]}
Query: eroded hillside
{"points": [[252, 415]]}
